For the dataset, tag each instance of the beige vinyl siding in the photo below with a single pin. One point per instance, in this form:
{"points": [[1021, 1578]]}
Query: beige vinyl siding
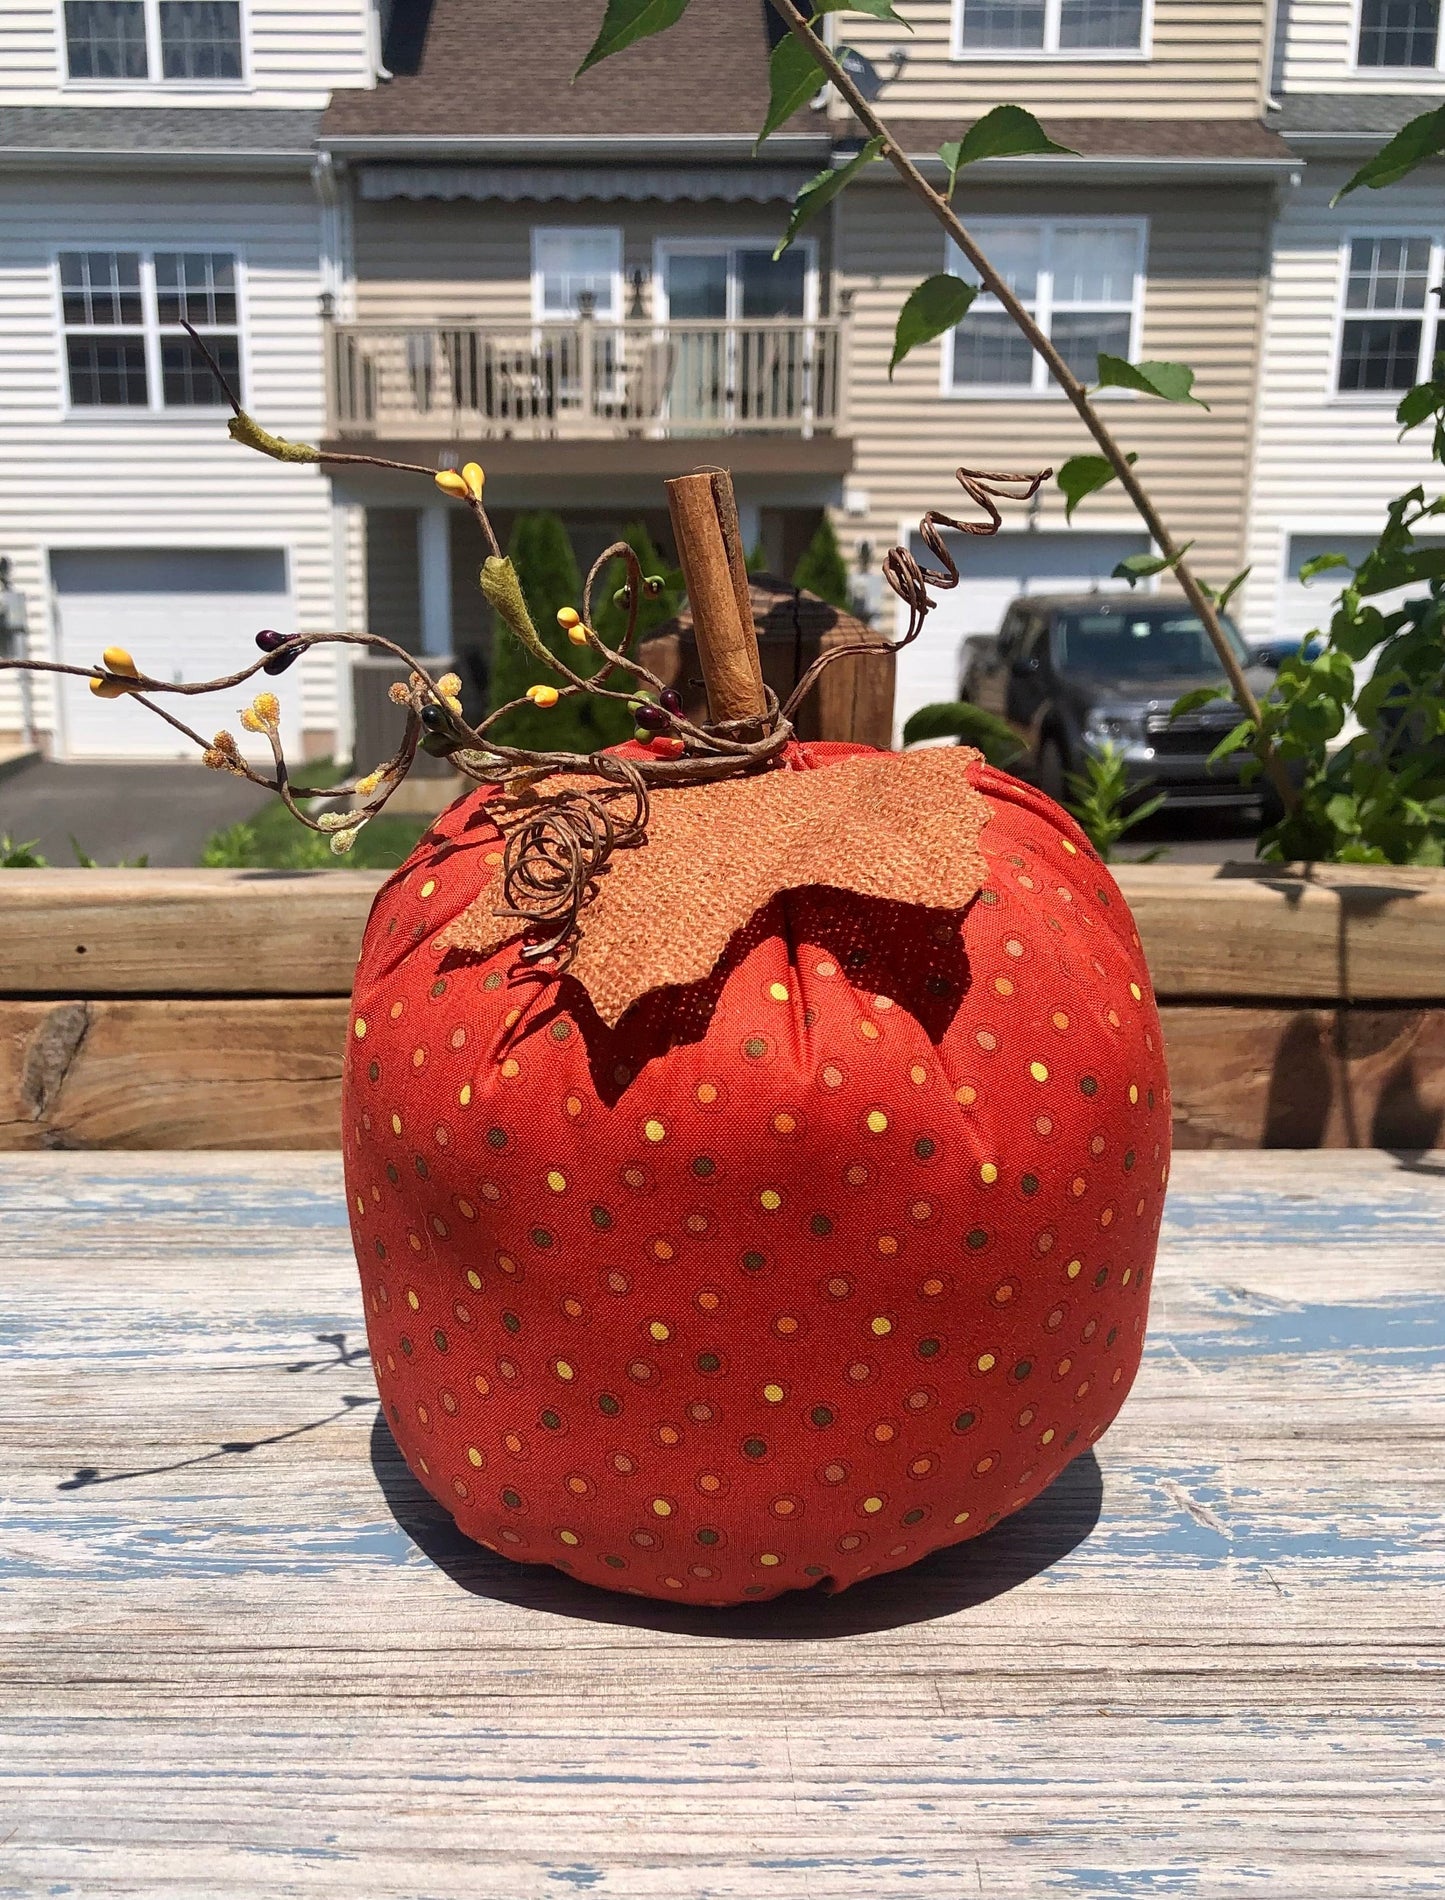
{"points": [[1319, 54], [295, 57], [1206, 258], [1324, 463], [465, 261], [1207, 60], [167, 479]]}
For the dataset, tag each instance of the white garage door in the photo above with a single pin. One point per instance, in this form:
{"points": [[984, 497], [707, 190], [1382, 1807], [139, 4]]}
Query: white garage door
{"points": [[995, 568], [183, 614]]}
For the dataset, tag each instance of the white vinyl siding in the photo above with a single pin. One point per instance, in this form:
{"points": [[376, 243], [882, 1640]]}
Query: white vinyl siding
{"points": [[1322, 41], [1082, 280], [1326, 465], [172, 479], [1200, 59], [291, 56]]}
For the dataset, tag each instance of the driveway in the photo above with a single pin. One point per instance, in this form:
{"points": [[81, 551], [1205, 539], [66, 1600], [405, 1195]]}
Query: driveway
{"points": [[163, 811]]}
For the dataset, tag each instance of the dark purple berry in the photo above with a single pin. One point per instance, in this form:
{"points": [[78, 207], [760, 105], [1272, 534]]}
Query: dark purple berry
{"points": [[671, 698], [268, 639], [436, 718], [279, 662], [653, 718]]}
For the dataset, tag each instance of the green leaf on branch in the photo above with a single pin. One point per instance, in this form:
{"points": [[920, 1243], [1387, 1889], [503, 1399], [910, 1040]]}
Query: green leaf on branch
{"points": [[823, 189], [1191, 702], [1321, 564], [1171, 382], [794, 75], [1231, 742], [957, 719], [626, 22], [1232, 588], [1414, 144], [1006, 132], [876, 9], [935, 306], [1084, 475], [1141, 567]]}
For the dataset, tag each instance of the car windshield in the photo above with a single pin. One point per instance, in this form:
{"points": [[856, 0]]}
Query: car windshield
{"points": [[1138, 642]]}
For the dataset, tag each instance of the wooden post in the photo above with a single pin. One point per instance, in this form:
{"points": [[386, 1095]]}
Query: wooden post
{"points": [[710, 548]]}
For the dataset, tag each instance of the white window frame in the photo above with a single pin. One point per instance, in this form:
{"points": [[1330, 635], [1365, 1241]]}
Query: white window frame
{"points": [[156, 408], [1357, 20], [1051, 49], [1041, 387], [1431, 341], [591, 231], [155, 64]]}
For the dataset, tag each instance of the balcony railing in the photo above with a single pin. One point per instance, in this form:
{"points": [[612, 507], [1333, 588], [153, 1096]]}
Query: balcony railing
{"points": [[588, 379]]}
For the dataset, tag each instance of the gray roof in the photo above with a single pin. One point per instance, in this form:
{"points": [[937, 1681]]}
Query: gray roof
{"points": [[235, 132], [1348, 115]]}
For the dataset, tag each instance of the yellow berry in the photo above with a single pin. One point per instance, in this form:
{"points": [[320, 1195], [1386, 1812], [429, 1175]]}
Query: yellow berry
{"points": [[117, 660], [248, 718], [568, 617], [452, 703], [543, 695], [475, 480], [450, 483], [578, 634], [106, 689]]}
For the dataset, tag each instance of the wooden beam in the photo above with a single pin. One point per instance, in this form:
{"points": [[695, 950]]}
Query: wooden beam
{"points": [[265, 1073]]}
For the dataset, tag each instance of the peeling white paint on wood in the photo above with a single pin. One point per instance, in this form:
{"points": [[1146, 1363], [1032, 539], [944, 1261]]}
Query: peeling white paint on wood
{"points": [[243, 1656]]}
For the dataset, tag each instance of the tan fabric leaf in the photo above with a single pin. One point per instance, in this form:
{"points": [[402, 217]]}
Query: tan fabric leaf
{"points": [[900, 826]]}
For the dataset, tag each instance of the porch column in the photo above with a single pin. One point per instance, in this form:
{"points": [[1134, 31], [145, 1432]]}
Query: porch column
{"points": [[434, 578]]}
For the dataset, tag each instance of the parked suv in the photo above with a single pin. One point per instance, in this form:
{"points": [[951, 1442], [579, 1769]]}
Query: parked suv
{"points": [[1072, 672]]}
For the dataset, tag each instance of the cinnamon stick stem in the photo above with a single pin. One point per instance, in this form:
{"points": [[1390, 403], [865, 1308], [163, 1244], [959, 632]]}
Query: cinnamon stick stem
{"points": [[709, 546]]}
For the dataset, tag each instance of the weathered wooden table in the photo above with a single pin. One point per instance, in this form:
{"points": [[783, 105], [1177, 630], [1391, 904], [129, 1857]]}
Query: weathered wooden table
{"points": [[244, 1655]]}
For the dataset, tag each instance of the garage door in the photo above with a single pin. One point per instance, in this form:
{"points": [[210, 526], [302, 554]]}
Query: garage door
{"points": [[184, 614], [994, 569]]}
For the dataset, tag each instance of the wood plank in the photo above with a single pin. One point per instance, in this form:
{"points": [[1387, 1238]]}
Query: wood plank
{"points": [[1306, 1078], [235, 1638], [265, 1072], [1312, 933], [1341, 932], [218, 1073], [183, 933]]}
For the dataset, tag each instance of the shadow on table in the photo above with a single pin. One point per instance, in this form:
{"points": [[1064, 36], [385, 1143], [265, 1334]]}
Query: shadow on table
{"points": [[968, 1574]]}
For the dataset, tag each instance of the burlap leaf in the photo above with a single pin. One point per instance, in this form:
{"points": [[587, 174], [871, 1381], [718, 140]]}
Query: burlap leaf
{"points": [[900, 826]]}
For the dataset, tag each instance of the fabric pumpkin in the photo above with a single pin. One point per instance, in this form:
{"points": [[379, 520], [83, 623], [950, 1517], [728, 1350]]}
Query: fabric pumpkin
{"points": [[796, 1274]]}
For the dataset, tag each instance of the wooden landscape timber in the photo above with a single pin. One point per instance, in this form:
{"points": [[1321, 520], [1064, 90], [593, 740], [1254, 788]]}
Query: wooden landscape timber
{"points": [[1302, 1006]]}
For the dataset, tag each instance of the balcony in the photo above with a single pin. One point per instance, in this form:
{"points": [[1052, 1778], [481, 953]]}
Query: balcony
{"points": [[587, 381]]}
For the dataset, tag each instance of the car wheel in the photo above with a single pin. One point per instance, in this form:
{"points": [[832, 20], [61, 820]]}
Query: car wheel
{"points": [[1049, 770]]}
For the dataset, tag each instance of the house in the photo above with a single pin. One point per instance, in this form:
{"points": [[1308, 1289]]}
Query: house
{"points": [[408, 233], [576, 283], [1153, 241], [1355, 299], [158, 161]]}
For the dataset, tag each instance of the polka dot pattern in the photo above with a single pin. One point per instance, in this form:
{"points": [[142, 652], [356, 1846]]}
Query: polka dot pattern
{"points": [[801, 1273]]}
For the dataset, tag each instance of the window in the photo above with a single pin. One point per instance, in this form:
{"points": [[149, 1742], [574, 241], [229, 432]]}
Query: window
{"points": [[1082, 281], [1391, 312], [124, 345], [1079, 27], [185, 40], [1399, 33], [568, 265]]}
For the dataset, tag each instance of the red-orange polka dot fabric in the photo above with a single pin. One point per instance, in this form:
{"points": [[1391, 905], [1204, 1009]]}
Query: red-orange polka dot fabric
{"points": [[800, 1273]]}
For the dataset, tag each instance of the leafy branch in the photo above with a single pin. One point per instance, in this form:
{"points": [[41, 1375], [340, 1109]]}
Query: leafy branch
{"points": [[1007, 131]]}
